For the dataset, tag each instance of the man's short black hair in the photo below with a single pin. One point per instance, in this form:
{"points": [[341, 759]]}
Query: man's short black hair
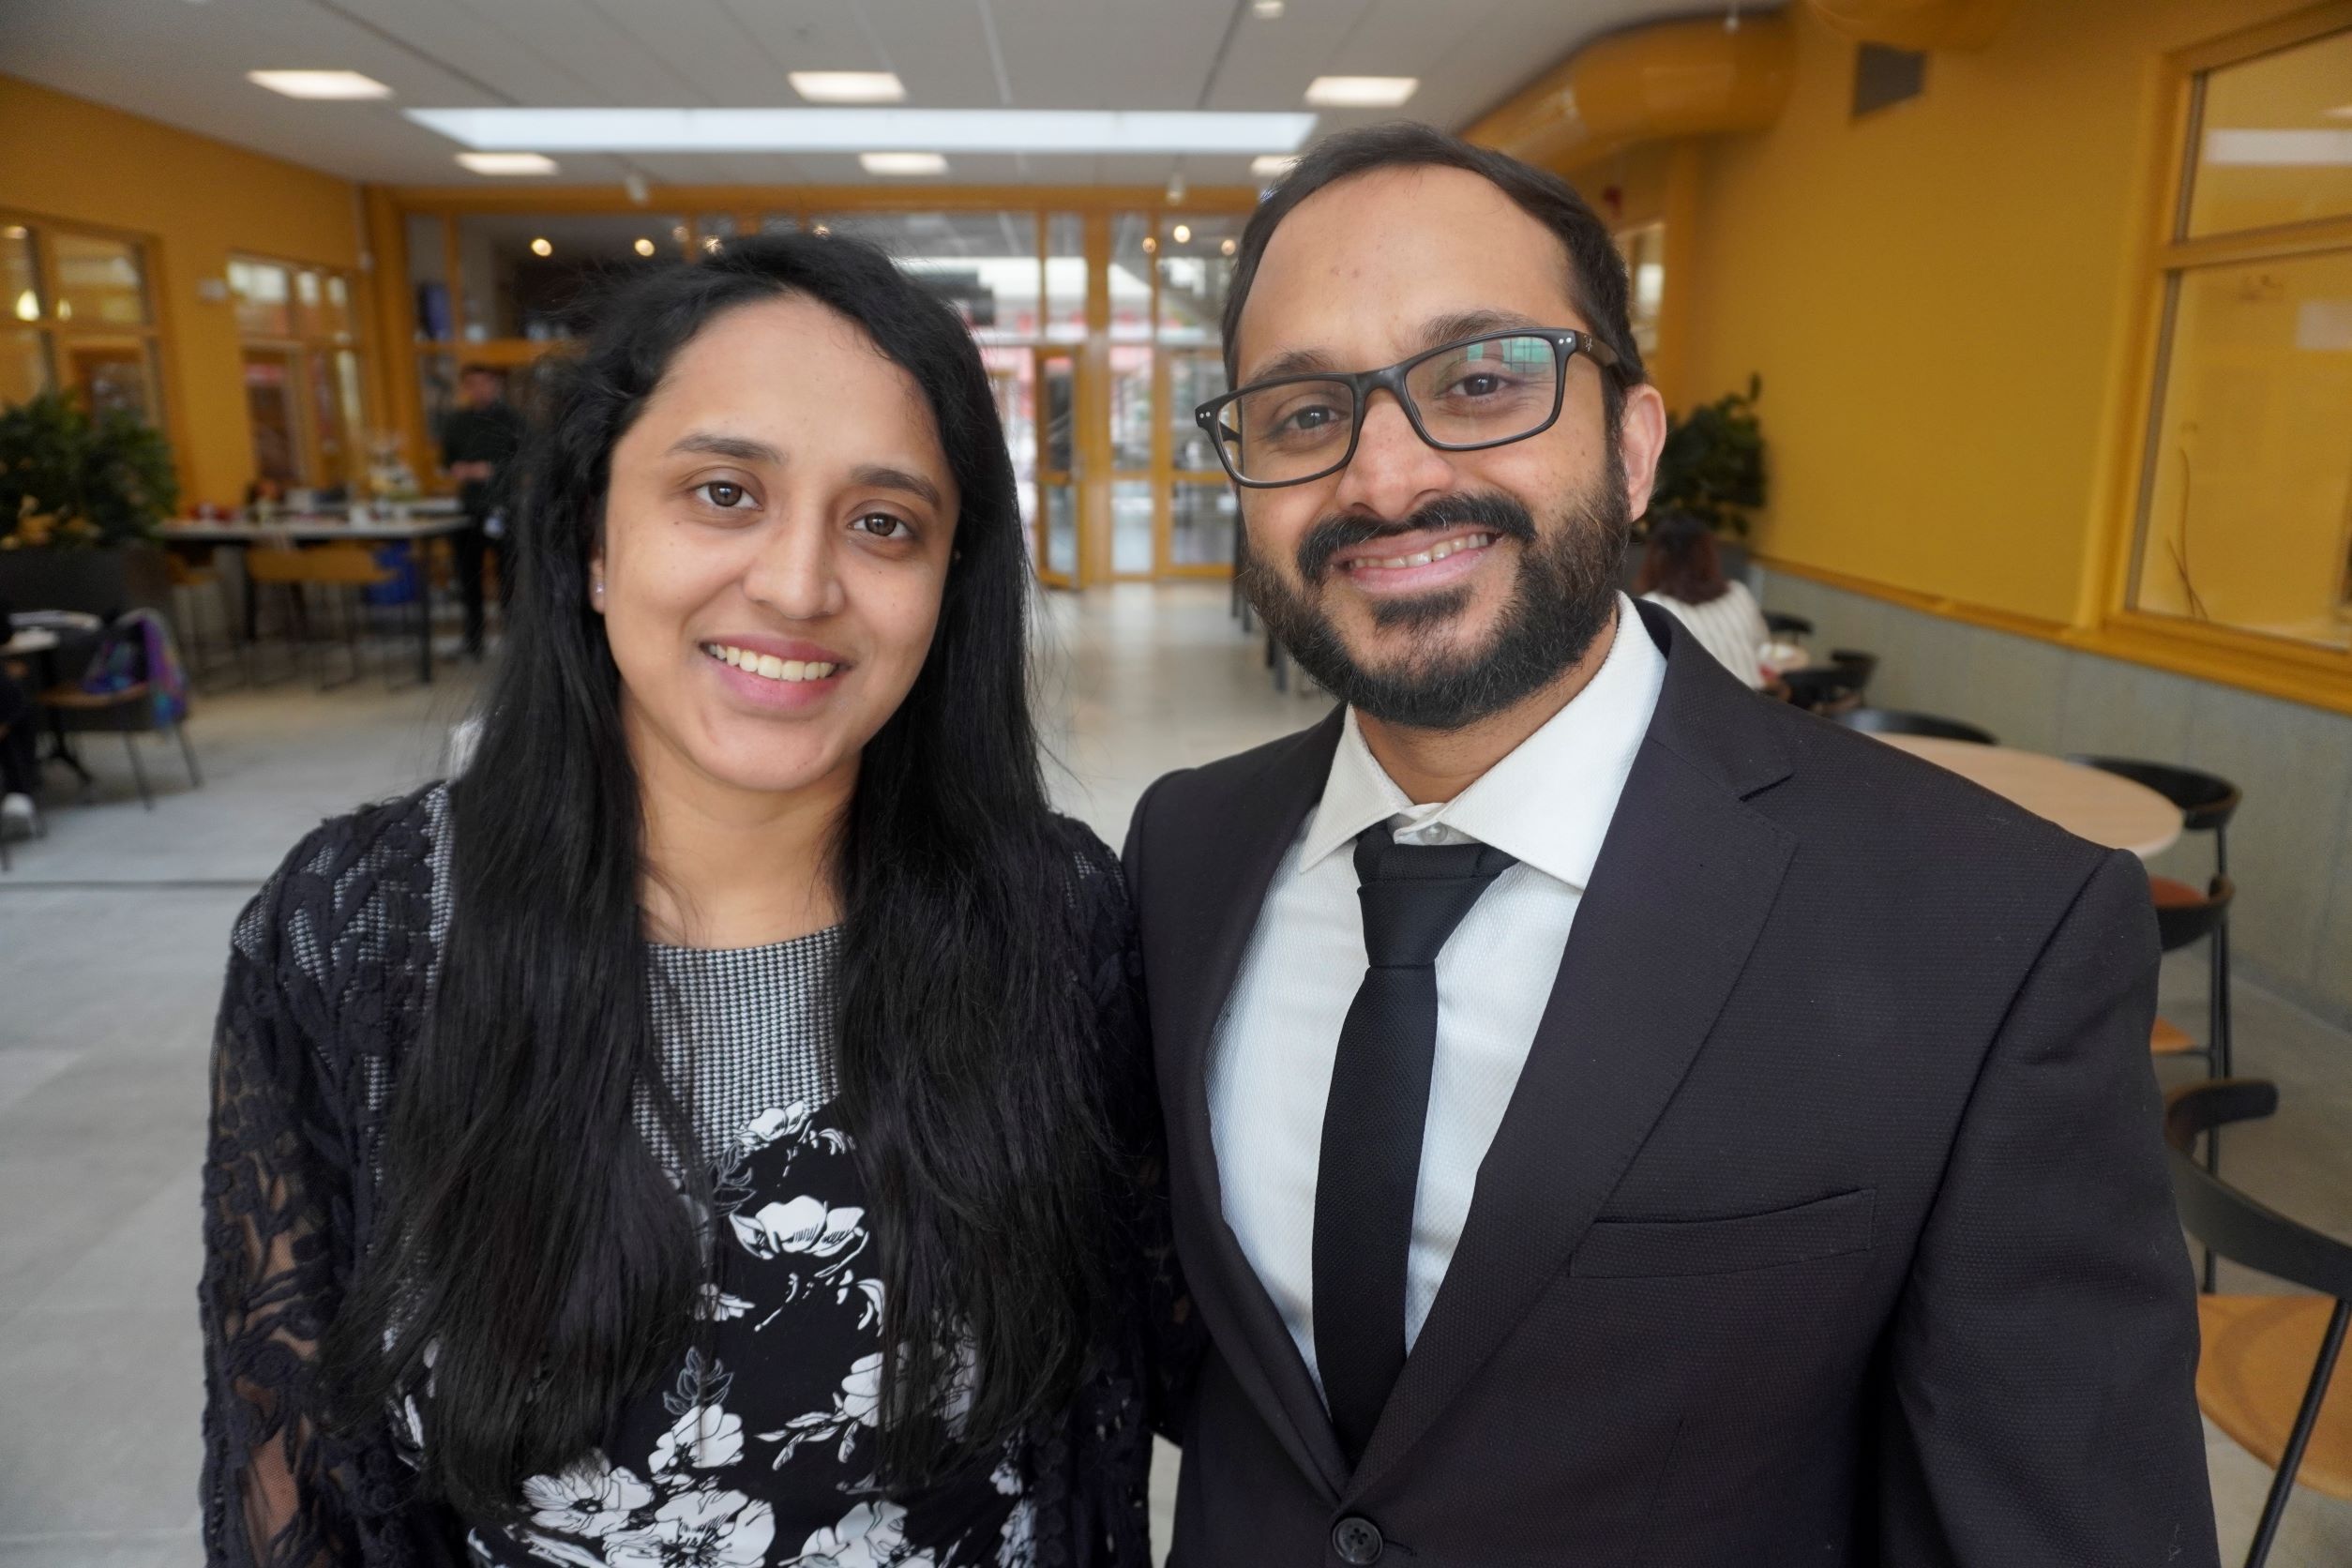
{"points": [[1596, 273]]}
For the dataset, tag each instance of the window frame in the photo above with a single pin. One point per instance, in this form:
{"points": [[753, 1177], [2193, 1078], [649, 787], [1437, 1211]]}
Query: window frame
{"points": [[305, 344], [58, 332], [2283, 666]]}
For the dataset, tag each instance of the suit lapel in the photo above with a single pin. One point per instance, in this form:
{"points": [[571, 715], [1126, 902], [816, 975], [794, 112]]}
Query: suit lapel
{"points": [[1219, 894], [1687, 869]]}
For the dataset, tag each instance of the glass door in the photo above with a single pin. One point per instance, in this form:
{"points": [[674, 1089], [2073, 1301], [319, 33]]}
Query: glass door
{"points": [[1203, 518], [273, 404], [1056, 516]]}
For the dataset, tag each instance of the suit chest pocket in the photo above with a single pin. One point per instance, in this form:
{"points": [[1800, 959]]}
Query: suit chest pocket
{"points": [[1666, 1249]]}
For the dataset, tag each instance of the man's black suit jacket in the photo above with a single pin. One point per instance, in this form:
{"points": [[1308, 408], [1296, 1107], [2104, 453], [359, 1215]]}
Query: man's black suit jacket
{"points": [[1828, 1224]]}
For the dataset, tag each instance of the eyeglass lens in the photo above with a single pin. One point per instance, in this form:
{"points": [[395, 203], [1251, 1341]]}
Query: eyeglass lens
{"points": [[1493, 390]]}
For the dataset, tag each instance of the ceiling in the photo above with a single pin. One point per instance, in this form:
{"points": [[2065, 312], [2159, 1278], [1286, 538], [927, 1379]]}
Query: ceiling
{"points": [[184, 62]]}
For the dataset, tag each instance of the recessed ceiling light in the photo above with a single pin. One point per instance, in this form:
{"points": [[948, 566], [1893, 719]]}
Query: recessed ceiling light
{"points": [[1360, 92], [1225, 248], [1273, 166], [541, 248], [848, 86], [508, 163], [710, 245], [915, 164], [320, 83], [1087, 132], [1150, 244], [644, 246], [2341, 112], [1270, 10], [1183, 232]]}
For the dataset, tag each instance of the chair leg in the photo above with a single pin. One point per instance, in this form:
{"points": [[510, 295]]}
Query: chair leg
{"points": [[2282, 1483], [138, 769], [188, 754]]}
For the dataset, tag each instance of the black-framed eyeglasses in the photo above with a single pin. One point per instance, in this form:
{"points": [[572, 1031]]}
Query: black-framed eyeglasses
{"points": [[1486, 391]]}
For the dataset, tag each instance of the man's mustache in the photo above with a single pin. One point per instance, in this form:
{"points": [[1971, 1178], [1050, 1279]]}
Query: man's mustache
{"points": [[1495, 513]]}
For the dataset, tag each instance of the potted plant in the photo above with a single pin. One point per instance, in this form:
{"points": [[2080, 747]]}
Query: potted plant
{"points": [[82, 499], [1712, 468]]}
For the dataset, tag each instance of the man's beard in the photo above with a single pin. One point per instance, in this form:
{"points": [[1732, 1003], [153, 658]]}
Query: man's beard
{"points": [[1560, 599]]}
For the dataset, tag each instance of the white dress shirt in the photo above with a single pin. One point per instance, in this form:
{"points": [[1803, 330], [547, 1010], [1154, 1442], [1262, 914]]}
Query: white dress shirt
{"points": [[1549, 803]]}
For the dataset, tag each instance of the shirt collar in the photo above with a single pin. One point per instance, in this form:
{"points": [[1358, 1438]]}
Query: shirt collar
{"points": [[1549, 802]]}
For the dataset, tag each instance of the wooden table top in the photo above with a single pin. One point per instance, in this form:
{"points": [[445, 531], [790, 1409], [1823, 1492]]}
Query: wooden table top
{"points": [[2100, 807]]}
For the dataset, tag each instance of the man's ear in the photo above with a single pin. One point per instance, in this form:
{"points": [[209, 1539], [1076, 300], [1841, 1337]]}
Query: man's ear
{"points": [[1641, 437]]}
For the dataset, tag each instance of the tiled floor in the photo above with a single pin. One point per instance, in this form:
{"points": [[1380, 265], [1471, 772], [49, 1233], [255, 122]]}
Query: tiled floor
{"points": [[112, 935]]}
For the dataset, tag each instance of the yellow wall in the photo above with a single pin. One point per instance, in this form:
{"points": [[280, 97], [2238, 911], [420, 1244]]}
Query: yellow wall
{"points": [[1944, 300], [197, 200]]}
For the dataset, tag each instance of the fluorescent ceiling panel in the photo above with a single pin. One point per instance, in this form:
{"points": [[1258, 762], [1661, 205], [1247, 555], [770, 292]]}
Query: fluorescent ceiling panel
{"points": [[508, 163], [850, 130], [1360, 92], [916, 164], [320, 83], [1272, 166], [848, 86]]}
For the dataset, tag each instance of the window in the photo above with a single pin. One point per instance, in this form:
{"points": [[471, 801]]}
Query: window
{"points": [[80, 314], [2244, 516], [300, 360]]}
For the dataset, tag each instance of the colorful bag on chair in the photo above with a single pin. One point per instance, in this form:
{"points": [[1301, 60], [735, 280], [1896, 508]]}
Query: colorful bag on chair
{"points": [[138, 648]]}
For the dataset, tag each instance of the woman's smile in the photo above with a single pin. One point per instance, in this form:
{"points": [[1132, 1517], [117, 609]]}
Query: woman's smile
{"points": [[775, 674]]}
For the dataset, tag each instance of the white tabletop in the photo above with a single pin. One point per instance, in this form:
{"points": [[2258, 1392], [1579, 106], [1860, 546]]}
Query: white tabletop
{"points": [[2101, 806], [309, 525], [32, 640]]}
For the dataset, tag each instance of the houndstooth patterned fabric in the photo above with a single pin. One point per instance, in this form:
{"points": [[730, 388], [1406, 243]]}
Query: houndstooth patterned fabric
{"points": [[742, 1029]]}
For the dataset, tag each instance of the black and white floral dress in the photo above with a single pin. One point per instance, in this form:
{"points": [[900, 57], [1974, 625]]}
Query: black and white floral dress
{"points": [[759, 1451], [759, 1454]]}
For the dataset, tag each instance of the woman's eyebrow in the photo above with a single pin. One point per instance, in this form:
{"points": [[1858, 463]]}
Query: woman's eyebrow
{"points": [[733, 447], [883, 476]]}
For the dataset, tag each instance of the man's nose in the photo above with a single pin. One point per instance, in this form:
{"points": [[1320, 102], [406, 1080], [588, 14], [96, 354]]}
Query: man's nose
{"points": [[1394, 472]]}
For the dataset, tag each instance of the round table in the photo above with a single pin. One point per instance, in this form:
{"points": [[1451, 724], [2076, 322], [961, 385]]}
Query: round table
{"points": [[2103, 808]]}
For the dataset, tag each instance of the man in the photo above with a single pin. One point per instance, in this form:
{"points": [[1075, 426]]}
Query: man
{"points": [[478, 442], [1616, 1118]]}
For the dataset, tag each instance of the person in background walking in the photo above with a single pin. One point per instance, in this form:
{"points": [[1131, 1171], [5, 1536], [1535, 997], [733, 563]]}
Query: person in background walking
{"points": [[478, 442]]}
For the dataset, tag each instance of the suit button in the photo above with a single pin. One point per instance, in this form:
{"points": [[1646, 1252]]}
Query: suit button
{"points": [[1358, 1542]]}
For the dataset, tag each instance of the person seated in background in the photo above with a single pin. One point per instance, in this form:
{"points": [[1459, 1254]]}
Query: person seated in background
{"points": [[1682, 573], [20, 765]]}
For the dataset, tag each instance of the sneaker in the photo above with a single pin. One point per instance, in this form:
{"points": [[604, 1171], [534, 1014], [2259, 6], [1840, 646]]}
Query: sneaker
{"points": [[16, 811]]}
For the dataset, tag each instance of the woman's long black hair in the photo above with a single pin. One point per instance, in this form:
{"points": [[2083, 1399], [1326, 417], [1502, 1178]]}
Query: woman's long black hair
{"points": [[539, 1263]]}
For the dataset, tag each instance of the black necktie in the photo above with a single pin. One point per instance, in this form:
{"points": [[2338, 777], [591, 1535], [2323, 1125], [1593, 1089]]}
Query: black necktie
{"points": [[1413, 897]]}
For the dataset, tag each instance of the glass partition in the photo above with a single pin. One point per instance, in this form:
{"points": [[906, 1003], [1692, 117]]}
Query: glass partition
{"points": [[536, 278]]}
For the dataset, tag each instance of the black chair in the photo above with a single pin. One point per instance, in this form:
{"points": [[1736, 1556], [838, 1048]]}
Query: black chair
{"points": [[1781, 624], [2253, 1345], [1828, 689], [1858, 664], [2207, 803], [1894, 721], [2182, 922]]}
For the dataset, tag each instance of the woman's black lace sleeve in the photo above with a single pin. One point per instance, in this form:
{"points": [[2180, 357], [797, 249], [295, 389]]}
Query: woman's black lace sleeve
{"points": [[283, 1172], [1149, 1368]]}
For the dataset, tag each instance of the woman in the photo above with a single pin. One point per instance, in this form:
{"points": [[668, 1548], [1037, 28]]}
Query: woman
{"points": [[715, 1130], [1680, 571]]}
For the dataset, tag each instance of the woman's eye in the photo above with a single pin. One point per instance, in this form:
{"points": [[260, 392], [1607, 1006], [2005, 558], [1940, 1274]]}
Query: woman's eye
{"points": [[884, 526], [723, 495]]}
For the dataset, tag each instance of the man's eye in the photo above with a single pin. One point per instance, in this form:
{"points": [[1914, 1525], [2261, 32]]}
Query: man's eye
{"points": [[1477, 384], [723, 495], [884, 526]]}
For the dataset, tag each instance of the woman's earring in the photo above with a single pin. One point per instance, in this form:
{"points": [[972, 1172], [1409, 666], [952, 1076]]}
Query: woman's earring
{"points": [[598, 588]]}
